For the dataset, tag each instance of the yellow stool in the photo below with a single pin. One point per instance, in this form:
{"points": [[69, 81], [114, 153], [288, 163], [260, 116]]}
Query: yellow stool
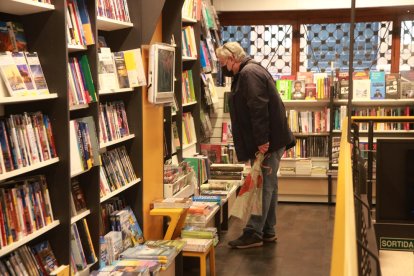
{"points": [[203, 260], [177, 218]]}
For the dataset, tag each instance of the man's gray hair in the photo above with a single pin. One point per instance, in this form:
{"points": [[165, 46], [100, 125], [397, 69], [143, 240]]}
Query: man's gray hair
{"points": [[231, 49]]}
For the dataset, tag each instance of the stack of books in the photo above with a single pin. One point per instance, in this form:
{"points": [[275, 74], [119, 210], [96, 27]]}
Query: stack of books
{"points": [[172, 203], [199, 212], [130, 267], [195, 232], [163, 252], [304, 167]]}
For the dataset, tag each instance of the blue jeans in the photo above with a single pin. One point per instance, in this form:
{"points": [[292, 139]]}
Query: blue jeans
{"points": [[266, 223]]}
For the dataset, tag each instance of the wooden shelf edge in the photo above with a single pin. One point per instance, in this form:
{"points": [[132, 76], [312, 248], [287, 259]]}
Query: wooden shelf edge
{"points": [[123, 188], [22, 99], [9, 248], [110, 92], [108, 24], [36, 166], [80, 216], [24, 7], [117, 141]]}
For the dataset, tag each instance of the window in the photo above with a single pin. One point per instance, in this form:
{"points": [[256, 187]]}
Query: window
{"points": [[407, 46], [322, 44], [270, 45]]}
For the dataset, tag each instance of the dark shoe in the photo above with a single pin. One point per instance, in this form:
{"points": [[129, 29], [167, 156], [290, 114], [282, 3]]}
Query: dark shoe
{"points": [[269, 238], [246, 241]]}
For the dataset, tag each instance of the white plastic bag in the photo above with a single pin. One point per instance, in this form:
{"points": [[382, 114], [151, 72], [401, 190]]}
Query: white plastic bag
{"points": [[249, 199]]}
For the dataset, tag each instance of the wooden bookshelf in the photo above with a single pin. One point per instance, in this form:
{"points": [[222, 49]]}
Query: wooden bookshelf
{"points": [[24, 7], [9, 248], [383, 102], [44, 23]]}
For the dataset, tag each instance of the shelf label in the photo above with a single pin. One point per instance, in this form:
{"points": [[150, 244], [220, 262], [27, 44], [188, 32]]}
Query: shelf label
{"points": [[396, 244]]}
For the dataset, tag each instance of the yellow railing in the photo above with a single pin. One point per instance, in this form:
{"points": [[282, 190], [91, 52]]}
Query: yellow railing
{"points": [[344, 252]]}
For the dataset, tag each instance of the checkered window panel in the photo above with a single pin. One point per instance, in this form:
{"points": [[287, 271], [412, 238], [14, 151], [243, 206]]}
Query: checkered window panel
{"points": [[322, 44], [407, 46], [271, 45]]}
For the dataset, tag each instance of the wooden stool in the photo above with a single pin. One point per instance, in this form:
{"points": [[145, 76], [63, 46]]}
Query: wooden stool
{"points": [[177, 218], [203, 260]]}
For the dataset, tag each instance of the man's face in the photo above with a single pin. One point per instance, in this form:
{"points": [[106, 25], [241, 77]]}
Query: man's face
{"points": [[298, 86], [226, 61]]}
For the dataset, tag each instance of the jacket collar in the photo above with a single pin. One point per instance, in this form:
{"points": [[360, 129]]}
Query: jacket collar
{"points": [[243, 63]]}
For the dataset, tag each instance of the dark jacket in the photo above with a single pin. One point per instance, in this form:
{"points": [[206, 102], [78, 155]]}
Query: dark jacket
{"points": [[257, 112]]}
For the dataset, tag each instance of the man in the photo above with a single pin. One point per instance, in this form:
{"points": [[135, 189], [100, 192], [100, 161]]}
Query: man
{"points": [[259, 124]]}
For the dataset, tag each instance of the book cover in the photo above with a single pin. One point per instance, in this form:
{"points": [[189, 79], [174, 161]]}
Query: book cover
{"points": [[86, 242], [5, 40], [284, 87], [76, 248], [11, 75], [122, 72], [85, 21], [392, 86], [213, 152], [106, 71], [377, 85], [16, 32], [298, 90], [37, 73], [407, 84], [361, 89], [310, 91], [307, 77], [86, 70], [78, 196], [135, 231], [43, 251]]}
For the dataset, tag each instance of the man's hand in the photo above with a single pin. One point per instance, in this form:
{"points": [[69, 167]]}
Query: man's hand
{"points": [[264, 148]]}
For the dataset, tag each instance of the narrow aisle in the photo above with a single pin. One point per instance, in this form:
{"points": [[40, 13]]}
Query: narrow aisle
{"points": [[303, 248]]}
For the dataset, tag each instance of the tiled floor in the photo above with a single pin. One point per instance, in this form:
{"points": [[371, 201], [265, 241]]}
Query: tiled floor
{"points": [[303, 248]]}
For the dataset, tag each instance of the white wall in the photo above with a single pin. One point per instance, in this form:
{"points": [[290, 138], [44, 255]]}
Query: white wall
{"points": [[281, 5]]}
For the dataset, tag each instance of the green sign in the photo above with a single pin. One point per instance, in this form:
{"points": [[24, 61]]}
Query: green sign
{"points": [[396, 244]]}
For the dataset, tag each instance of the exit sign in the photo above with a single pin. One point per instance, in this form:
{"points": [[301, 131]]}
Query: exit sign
{"points": [[396, 244]]}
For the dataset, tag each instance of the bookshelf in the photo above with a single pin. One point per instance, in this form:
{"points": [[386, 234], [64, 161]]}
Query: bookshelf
{"points": [[42, 24]]}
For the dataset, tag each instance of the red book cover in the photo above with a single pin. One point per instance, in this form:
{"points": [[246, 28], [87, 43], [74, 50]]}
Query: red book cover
{"points": [[213, 152]]}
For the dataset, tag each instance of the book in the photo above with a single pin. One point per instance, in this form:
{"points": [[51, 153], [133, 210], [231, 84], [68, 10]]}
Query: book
{"points": [[77, 249], [11, 75], [17, 36], [37, 73], [361, 89], [6, 43], [20, 61], [298, 90], [106, 71], [172, 203], [121, 69], [284, 87], [44, 255], [133, 62], [213, 152], [407, 84], [78, 196], [85, 22], [392, 86], [377, 85], [197, 245]]}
